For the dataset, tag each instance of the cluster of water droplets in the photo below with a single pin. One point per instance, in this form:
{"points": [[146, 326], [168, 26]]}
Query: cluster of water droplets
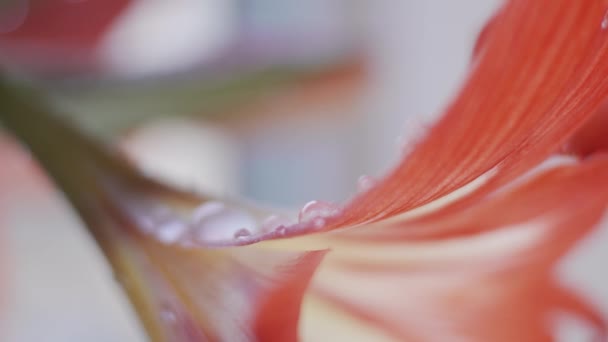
{"points": [[218, 222], [316, 213], [276, 223]]}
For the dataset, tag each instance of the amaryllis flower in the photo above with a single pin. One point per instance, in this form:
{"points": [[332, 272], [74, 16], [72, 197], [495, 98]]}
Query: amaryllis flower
{"points": [[459, 242]]}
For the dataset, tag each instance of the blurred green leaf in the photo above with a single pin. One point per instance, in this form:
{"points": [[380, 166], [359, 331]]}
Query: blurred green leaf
{"points": [[109, 109]]}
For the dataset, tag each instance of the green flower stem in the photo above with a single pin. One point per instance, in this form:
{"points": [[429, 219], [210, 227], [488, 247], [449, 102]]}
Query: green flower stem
{"points": [[83, 169]]}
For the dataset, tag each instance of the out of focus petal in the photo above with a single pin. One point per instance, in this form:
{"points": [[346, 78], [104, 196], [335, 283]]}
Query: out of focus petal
{"points": [[56, 34], [228, 295]]}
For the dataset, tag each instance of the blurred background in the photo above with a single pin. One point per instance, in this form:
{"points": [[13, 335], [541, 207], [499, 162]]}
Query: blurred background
{"points": [[279, 101]]}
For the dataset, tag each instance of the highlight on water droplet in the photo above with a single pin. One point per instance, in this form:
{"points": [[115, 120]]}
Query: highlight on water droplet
{"points": [[207, 209], [215, 221], [319, 222], [605, 21], [272, 222], [168, 316], [242, 233], [318, 209], [281, 230], [400, 142], [171, 231], [365, 182], [148, 217]]}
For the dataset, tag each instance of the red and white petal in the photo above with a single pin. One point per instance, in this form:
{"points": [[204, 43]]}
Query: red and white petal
{"points": [[487, 277], [214, 295]]}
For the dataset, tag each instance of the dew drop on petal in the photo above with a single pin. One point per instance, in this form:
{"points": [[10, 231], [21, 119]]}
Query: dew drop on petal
{"points": [[404, 145], [605, 21], [401, 143], [242, 233], [318, 222], [281, 230], [144, 222], [207, 209], [171, 231], [365, 182], [272, 222], [317, 209], [168, 316], [148, 218], [214, 221]]}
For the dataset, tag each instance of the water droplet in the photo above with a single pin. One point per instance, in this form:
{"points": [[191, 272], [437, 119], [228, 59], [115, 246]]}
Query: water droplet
{"points": [[605, 21], [400, 142], [214, 221], [273, 222], [317, 209], [171, 231], [281, 230], [207, 209], [365, 182], [148, 218], [168, 316], [318, 222], [144, 222], [242, 233]]}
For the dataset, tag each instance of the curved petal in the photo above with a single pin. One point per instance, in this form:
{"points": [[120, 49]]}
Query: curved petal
{"points": [[491, 280], [556, 189], [543, 71], [182, 294], [239, 295]]}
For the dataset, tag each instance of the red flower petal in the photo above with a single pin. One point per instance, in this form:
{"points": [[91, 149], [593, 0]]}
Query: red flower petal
{"points": [[543, 72], [556, 190], [592, 137], [489, 281], [482, 37], [213, 295], [278, 316], [57, 32]]}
